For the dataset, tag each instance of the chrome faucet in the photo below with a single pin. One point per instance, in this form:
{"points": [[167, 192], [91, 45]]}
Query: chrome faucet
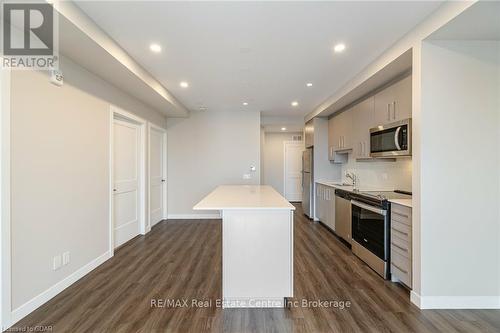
{"points": [[354, 179]]}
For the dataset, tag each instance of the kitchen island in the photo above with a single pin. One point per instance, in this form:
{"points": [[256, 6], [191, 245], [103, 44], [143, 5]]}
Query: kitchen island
{"points": [[257, 244]]}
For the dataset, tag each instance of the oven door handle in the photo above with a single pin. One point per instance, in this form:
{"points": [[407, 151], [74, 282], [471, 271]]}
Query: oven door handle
{"points": [[368, 207]]}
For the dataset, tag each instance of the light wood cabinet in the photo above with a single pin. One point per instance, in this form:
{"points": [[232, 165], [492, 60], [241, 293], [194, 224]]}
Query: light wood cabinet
{"points": [[401, 245], [320, 204], [309, 134], [330, 208], [325, 205], [340, 131], [402, 99], [394, 102], [350, 130], [362, 120]]}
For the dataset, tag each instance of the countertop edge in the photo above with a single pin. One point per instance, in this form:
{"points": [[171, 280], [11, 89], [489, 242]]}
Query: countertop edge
{"points": [[402, 202], [244, 208]]}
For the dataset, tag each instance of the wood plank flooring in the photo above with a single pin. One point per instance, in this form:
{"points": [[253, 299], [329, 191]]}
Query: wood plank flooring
{"points": [[181, 259]]}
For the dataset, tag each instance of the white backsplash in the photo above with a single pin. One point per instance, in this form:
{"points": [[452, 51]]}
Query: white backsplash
{"points": [[380, 175]]}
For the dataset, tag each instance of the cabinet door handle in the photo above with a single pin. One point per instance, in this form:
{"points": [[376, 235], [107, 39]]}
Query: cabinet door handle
{"points": [[400, 247], [388, 112], [394, 109], [402, 270], [402, 215], [401, 232]]}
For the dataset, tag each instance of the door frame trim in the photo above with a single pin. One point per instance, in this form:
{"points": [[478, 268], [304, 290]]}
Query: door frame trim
{"points": [[164, 161], [5, 200], [120, 114], [285, 144]]}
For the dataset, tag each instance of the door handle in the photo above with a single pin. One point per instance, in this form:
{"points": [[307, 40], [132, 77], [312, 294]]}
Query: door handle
{"points": [[400, 247], [388, 112], [402, 270], [114, 190], [163, 180], [396, 138], [369, 208], [394, 110]]}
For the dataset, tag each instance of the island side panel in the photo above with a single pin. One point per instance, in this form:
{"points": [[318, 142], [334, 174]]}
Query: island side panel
{"points": [[257, 257]]}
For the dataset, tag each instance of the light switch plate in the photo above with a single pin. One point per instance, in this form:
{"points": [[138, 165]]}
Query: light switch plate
{"points": [[56, 262], [65, 258]]}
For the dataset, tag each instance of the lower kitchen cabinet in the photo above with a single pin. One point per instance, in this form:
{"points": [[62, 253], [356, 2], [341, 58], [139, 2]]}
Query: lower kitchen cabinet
{"points": [[401, 249], [325, 205]]}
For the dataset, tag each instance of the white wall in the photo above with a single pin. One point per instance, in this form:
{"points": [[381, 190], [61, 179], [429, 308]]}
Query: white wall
{"points": [[380, 175], [460, 173], [323, 168], [59, 176], [272, 157], [206, 150]]}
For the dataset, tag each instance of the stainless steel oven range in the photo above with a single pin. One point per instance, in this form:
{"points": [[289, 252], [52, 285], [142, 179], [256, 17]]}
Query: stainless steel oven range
{"points": [[371, 228]]}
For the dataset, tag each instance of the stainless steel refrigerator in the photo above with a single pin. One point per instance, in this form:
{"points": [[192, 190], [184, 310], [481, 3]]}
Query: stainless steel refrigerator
{"points": [[307, 182]]}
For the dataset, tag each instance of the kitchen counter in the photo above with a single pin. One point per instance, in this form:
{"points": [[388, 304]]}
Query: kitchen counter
{"points": [[243, 197], [336, 184], [257, 245], [350, 188], [402, 202]]}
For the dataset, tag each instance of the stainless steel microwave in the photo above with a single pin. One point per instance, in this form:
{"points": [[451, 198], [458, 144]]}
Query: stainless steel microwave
{"points": [[391, 140]]}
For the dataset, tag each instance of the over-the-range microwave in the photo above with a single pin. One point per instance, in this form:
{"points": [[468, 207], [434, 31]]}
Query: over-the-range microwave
{"points": [[391, 140]]}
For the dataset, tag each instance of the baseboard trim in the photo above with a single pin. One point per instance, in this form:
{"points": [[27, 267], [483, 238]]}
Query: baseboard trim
{"points": [[193, 216], [48, 294], [455, 302], [415, 298]]}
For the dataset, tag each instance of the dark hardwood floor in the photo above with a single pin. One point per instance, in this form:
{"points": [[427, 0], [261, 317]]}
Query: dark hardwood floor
{"points": [[181, 259]]}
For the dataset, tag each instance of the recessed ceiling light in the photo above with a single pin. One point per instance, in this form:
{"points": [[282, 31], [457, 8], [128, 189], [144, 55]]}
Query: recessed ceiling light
{"points": [[295, 103], [156, 48], [339, 47], [283, 128], [245, 103], [184, 84], [309, 84]]}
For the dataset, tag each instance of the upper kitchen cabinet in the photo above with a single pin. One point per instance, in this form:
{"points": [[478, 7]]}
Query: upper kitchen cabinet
{"points": [[402, 99], [362, 120], [309, 134], [394, 102], [333, 134], [340, 131]]}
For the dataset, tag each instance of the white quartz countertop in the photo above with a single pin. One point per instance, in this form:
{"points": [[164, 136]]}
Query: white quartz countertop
{"points": [[338, 184], [402, 202], [243, 197]]}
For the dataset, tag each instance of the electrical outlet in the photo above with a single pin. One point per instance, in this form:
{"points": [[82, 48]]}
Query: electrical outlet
{"points": [[65, 258], [56, 262]]}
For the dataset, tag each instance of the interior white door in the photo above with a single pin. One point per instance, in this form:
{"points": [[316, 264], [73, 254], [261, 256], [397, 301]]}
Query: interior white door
{"points": [[293, 166], [157, 175], [126, 173]]}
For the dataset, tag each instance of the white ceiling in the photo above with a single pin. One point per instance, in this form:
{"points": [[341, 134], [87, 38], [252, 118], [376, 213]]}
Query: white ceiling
{"points": [[263, 53], [483, 16]]}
